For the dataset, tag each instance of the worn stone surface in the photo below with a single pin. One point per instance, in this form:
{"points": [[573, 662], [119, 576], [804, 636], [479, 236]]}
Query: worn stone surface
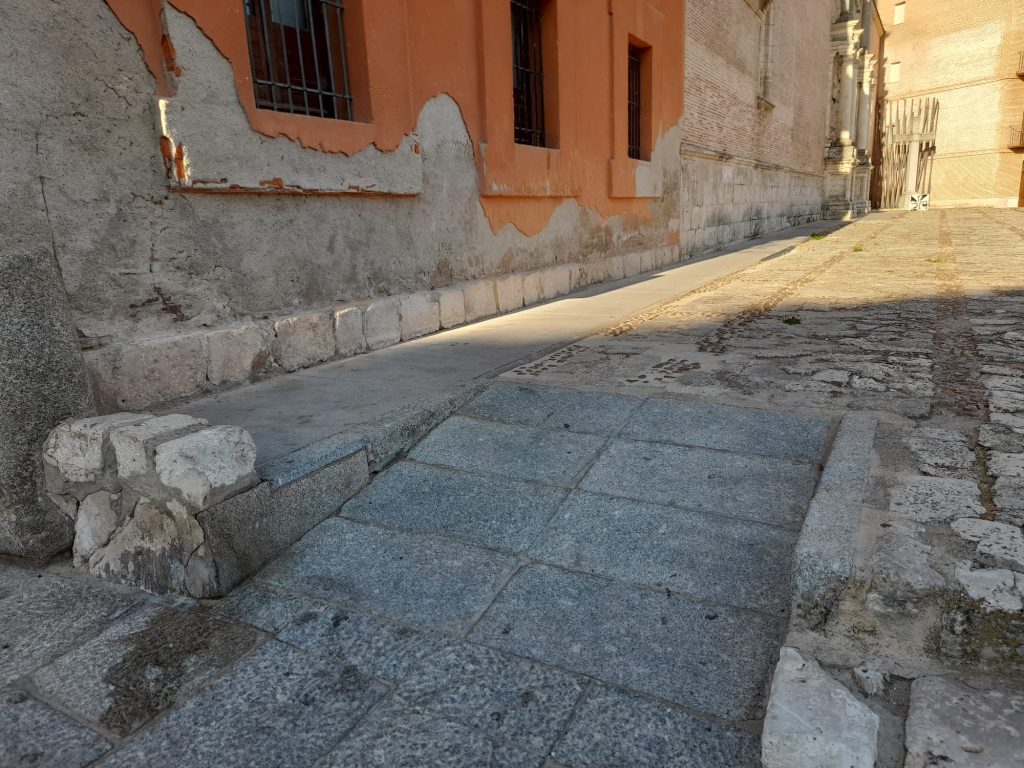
{"points": [[140, 375], [411, 578], [509, 292], [709, 658], [382, 325], [1002, 541], [750, 487], [1000, 589], [933, 499], [43, 616], [98, 517], [33, 734], [488, 511], [451, 307], [207, 466], [744, 430], [42, 382], [551, 408], [235, 353], [666, 547], [480, 299], [952, 724], [74, 449], [522, 453], [419, 314], [303, 340], [614, 728], [900, 567], [142, 665], [813, 720], [348, 331], [278, 706], [133, 445]]}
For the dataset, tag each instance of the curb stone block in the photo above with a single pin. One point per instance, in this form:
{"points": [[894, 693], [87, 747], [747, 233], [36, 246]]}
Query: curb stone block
{"points": [[813, 720], [381, 323], [132, 446], [74, 452], [509, 292], [554, 281], [452, 307], [205, 467], [481, 300], [531, 288], [419, 315], [235, 353], [303, 340], [348, 331]]}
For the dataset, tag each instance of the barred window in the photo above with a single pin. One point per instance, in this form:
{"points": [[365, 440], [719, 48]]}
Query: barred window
{"points": [[528, 73], [298, 54], [634, 103]]}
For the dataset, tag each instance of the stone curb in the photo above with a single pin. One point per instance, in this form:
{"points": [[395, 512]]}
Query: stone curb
{"points": [[152, 372], [824, 560]]}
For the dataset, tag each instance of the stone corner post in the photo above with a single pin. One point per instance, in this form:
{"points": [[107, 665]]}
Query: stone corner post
{"points": [[42, 381]]}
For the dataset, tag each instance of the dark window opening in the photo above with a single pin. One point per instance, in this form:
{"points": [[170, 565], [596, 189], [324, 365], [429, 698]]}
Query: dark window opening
{"points": [[297, 49], [528, 73], [635, 103]]}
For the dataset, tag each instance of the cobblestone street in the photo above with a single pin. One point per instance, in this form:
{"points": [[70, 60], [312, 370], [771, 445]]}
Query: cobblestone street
{"points": [[592, 563]]}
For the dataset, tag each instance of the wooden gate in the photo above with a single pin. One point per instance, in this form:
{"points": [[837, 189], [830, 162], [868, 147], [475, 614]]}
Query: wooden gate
{"points": [[908, 128]]}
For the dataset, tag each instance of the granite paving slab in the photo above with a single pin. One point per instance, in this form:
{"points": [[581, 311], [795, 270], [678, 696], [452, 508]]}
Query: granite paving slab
{"points": [[37, 625], [553, 408], [32, 734], [613, 729], [520, 453], [510, 700], [397, 735], [702, 555], [710, 658], [279, 706], [140, 665], [412, 578], [750, 487], [489, 511], [743, 430]]}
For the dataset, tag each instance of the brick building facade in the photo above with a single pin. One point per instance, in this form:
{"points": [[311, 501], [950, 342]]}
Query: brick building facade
{"points": [[967, 55], [756, 101]]}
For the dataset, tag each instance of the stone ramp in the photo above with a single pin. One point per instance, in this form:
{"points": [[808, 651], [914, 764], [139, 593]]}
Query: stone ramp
{"points": [[543, 598]]}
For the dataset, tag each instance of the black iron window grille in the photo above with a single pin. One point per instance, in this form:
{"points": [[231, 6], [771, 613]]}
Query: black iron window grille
{"points": [[299, 64], [634, 102], [528, 73]]}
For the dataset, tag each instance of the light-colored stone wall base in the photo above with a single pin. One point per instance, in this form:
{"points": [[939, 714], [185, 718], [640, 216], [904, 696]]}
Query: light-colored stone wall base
{"points": [[172, 505], [725, 200], [147, 373]]}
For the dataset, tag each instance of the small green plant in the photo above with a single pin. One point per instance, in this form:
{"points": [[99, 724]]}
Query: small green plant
{"points": [[858, 249], [791, 320], [818, 236]]}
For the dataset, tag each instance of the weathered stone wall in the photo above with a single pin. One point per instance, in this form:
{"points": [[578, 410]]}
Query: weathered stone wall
{"points": [[965, 54], [734, 200], [175, 293], [751, 167]]}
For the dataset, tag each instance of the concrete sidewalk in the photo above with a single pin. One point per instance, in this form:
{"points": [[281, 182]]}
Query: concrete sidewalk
{"points": [[305, 420]]}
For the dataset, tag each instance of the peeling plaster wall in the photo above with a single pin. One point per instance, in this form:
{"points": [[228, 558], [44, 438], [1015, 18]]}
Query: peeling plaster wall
{"points": [[84, 172]]}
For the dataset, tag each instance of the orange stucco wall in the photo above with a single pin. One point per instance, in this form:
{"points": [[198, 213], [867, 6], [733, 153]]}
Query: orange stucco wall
{"points": [[416, 50]]}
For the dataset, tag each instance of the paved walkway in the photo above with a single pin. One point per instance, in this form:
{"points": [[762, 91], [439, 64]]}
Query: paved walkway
{"points": [[588, 565]]}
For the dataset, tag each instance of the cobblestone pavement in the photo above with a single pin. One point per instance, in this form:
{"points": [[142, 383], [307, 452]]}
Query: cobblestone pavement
{"points": [[589, 564]]}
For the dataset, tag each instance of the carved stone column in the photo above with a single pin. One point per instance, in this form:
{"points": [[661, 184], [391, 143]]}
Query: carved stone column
{"points": [[866, 105], [847, 98]]}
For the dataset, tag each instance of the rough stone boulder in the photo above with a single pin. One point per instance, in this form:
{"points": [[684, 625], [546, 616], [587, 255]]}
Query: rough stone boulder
{"points": [[135, 486]]}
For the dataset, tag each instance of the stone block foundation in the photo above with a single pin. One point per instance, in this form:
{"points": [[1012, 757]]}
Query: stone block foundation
{"points": [[147, 373]]}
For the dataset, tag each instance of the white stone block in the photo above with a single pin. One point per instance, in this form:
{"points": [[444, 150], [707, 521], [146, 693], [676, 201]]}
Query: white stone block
{"points": [[206, 467], [648, 261], [616, 268], [634, 264], [419, 315], [554, 281], [509, 292], [1000, 540], [303, 340], [999, 588], [133, 445], [531, 288], [98, 518], [451, 307], [75, 448], [481, 300], [348, 332], [235, 352], [814, 721], [381, 323]]}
